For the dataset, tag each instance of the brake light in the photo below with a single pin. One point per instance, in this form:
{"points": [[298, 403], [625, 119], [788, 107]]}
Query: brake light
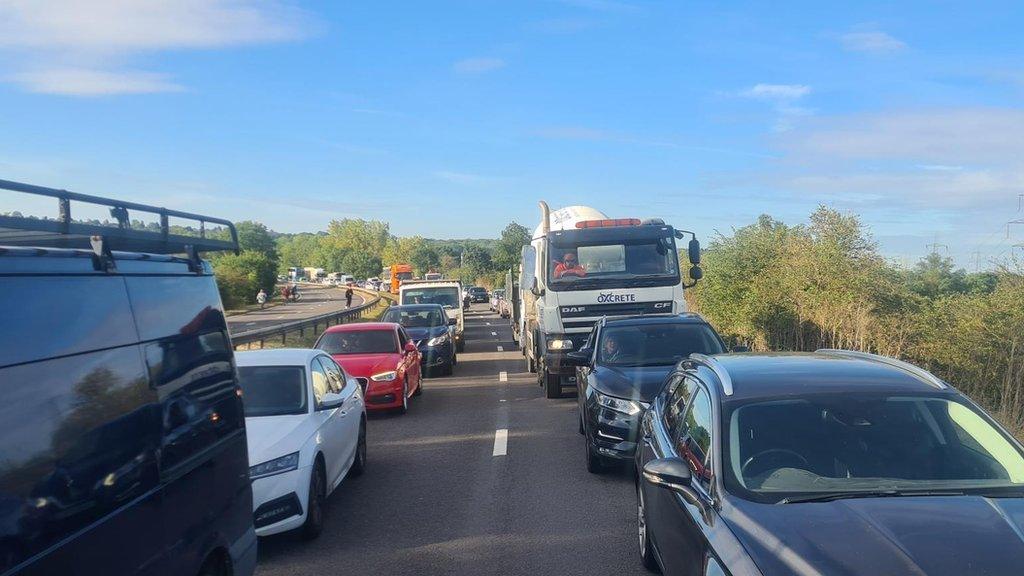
{"points": [[605, 223]]}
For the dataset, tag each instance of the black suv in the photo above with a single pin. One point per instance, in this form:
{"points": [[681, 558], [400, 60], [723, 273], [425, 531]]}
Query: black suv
{"points": [[122, 434], [621, 368], [828, 463], [478, 294]]}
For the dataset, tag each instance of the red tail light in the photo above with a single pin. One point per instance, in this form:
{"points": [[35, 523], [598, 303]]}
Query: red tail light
{"points": [[604, 223]]}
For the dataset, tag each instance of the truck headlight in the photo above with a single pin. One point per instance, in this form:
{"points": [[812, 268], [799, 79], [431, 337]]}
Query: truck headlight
{"points": [[438, 340], [628, 407], [384, 376], [560, 344], [275, 466]]}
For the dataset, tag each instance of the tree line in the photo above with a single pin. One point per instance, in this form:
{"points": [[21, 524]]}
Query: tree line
{"points": [[772, 286], [361, 248]]}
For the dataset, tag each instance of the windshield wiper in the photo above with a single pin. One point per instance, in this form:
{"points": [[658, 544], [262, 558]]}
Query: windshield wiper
{"points": [[832, 496]]}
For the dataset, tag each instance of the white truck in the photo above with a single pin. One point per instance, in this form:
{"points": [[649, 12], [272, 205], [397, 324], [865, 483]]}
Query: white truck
{"points": [[447, 293], [581, 266]]}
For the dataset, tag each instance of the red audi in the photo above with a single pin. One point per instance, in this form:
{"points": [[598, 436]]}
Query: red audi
{"points": [[382, 357]]}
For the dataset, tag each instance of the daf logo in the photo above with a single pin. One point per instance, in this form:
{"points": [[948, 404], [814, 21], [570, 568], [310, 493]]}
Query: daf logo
{"points": [[612, 298], [660, 305], [571, 309]]}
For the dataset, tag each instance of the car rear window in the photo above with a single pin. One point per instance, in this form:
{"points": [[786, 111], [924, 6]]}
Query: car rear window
{"points": [[273, 390], [363, 342]]}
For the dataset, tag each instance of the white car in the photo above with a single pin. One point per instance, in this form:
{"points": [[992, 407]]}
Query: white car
{"points": [[306, 423]]}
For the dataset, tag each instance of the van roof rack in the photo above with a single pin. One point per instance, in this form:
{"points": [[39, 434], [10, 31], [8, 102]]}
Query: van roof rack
{"points": [[62, 231]]}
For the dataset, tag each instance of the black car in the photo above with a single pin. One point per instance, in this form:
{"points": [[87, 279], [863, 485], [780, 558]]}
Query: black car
{"points": [[828, 463], [621, 368], [478, 294], [122, 433], [430, 328]]}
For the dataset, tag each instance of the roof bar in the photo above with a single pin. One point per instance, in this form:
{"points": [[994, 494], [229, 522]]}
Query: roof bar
{"points": [[62, 231], [716, 367], [920, 373]]}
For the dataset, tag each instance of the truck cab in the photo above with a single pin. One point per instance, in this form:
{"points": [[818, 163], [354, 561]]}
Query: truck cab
{"points": [[582, 266], [447, 293]]}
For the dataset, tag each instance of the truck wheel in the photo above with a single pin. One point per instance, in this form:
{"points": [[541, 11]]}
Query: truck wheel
{"points": [[553, 385]]}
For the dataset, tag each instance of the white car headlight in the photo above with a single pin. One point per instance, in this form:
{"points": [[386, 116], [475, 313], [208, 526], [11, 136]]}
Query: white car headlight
{"points": [[619, 404], [275, 466], [565, 344], [438, 340], [384, 376]]}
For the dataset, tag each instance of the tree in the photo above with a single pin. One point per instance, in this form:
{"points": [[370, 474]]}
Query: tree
{"points": [[361, 264], [934, 276], [509, 248], [240, 277]]}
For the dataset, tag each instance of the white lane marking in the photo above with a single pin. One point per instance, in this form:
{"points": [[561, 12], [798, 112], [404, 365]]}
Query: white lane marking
{"points": [[502, 400], [494, 333], [502, 376], [500, 349], [500, 442], [488, 323]]}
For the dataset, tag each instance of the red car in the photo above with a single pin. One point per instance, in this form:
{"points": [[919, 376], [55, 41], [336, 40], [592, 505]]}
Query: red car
{"points": [[382, 357]]}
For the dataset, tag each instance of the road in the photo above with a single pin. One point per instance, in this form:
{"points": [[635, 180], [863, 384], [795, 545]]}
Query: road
{"points": [[438, 497], [315, 301]]}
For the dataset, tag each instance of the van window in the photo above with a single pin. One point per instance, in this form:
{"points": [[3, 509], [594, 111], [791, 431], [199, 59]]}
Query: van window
{"points": [[79, 438], [173, 305], [62, 316]]}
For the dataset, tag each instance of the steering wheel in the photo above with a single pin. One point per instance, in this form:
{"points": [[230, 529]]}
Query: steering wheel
{"points": [[771, 456], [571, 272]]}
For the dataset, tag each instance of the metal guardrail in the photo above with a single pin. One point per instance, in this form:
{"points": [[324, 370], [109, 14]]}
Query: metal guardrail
{"points": [[261, 335]]}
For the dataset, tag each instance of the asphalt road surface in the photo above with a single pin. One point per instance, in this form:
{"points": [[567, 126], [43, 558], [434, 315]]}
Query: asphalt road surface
{"points": [[443, 494], [314, 301]]}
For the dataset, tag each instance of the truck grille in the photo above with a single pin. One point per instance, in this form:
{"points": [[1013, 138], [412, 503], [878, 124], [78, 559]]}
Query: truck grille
{"points": [[584, 316]]}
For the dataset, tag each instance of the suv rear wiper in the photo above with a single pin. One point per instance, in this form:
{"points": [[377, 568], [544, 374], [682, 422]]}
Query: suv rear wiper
{"points": [[831, 496]]}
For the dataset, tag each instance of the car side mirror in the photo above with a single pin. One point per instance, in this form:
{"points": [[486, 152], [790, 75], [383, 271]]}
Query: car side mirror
{"points": [[672, 474], [579, 357], [741, 349], [453, 321], [331, 400], [409, 348]]}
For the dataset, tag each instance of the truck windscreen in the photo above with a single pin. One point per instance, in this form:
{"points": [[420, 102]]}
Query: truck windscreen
{"points": [[639, 262], [445, 296]]}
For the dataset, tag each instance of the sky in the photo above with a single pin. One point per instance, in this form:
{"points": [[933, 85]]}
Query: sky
{"points": [[448, 119]]}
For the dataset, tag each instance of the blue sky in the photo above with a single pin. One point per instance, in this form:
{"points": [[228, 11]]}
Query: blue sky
{"points": [[448, 119]]}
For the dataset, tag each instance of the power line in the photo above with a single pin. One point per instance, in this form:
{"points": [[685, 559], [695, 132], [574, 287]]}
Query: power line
{"points": [[977, 260], [934, 246]]}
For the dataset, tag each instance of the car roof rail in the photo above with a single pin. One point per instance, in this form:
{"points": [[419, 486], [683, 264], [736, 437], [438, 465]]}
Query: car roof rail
{"points": [[62, 231], [715, 366], [920, 373]]}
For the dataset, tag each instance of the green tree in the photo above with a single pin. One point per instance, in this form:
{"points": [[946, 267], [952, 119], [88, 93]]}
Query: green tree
{"points": [[935, 275], [361, 264], [509, 247], [255, 236], [240, 277]]}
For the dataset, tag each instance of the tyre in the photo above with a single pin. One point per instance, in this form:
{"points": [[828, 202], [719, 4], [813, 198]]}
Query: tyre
{"points": [[314, 523], [419, 389], [460, 345], [646, 549], [359, 463], [405, 397], [582, 431], [553, 385], [216, 565]]}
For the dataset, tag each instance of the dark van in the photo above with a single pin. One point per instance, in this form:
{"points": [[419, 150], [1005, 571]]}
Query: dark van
{"points": [[122, 434]]}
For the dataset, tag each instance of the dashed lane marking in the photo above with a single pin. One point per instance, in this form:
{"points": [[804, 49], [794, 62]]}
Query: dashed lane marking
{"points": [[494, 333], [501, 349], [502, 376], [500, 442]]}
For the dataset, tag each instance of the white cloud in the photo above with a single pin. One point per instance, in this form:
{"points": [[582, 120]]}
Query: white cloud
{"points": [[872, 42], [478, 65], [83, 82], [776, 91], [71, 47]]}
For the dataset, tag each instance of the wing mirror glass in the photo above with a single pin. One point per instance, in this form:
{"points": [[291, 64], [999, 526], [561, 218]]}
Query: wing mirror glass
{"points": [[453, 321], [693, 251]]}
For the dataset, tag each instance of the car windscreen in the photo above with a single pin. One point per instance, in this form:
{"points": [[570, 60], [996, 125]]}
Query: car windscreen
{"points": [[425, 318], [477, 290], [361, 342], [447, 296], [583, 262], [865, 442], [656, 344], [273, 390]]}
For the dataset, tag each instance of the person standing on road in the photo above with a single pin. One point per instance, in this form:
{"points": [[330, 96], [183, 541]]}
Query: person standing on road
{"points": [[348, 296], [261, 297]]}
